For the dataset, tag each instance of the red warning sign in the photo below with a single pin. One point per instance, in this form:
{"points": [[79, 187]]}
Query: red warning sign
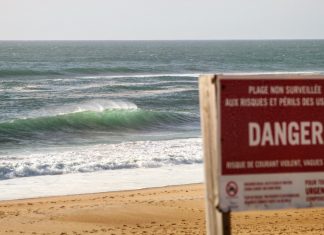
{"points": [[271, 138], [271, 125], [263, 142]]}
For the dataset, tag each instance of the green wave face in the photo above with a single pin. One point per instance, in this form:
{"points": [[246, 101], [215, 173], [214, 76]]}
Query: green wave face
{"points": [[108, 120]]}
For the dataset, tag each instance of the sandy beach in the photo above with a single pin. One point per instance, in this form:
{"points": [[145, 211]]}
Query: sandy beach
{"points": [[169, 210], [166, 210]]}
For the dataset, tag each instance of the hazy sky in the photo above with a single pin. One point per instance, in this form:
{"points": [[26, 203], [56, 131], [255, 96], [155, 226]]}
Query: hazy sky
{"points": [[161, 19]]}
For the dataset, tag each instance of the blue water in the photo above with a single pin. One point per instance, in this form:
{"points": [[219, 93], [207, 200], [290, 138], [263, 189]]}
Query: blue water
{"points": [[69, 106]]}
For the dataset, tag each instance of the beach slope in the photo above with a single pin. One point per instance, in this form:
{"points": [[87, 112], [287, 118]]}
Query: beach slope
{"points": [[166, 210]]}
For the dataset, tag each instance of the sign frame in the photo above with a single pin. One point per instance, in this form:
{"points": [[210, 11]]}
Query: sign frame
{"points": [[218, 221], [215, 219]]}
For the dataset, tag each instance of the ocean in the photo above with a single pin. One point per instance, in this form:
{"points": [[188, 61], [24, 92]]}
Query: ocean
{"points": [[94, 112]]}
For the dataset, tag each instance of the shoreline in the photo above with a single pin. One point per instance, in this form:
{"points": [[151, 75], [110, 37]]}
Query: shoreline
{"points": [[56, 197], [100, 181]]}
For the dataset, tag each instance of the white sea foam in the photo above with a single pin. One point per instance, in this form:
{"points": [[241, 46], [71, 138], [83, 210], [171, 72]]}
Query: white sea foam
{"points": [[142, 76], [131, 94], [98, 106], [131, 84], [196, 75], [277, 73], [101, 181], [126, 155], [95, 105]]}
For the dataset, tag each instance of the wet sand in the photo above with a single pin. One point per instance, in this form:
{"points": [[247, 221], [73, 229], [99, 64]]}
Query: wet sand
{"points": [[167, 210]]}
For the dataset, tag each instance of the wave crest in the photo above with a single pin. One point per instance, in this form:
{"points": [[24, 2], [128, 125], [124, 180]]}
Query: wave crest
{"points": [[94, 118]]}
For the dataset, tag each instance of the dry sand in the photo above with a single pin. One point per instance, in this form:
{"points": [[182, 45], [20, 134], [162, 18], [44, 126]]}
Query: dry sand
{"points": [[168, 210]]}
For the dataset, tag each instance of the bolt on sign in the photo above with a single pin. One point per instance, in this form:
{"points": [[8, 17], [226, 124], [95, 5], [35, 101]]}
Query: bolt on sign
{"points": [[263, 142]]}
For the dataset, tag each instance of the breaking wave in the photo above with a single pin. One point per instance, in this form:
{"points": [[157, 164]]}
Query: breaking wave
{"points": [[139, 154], [93, 118]]}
